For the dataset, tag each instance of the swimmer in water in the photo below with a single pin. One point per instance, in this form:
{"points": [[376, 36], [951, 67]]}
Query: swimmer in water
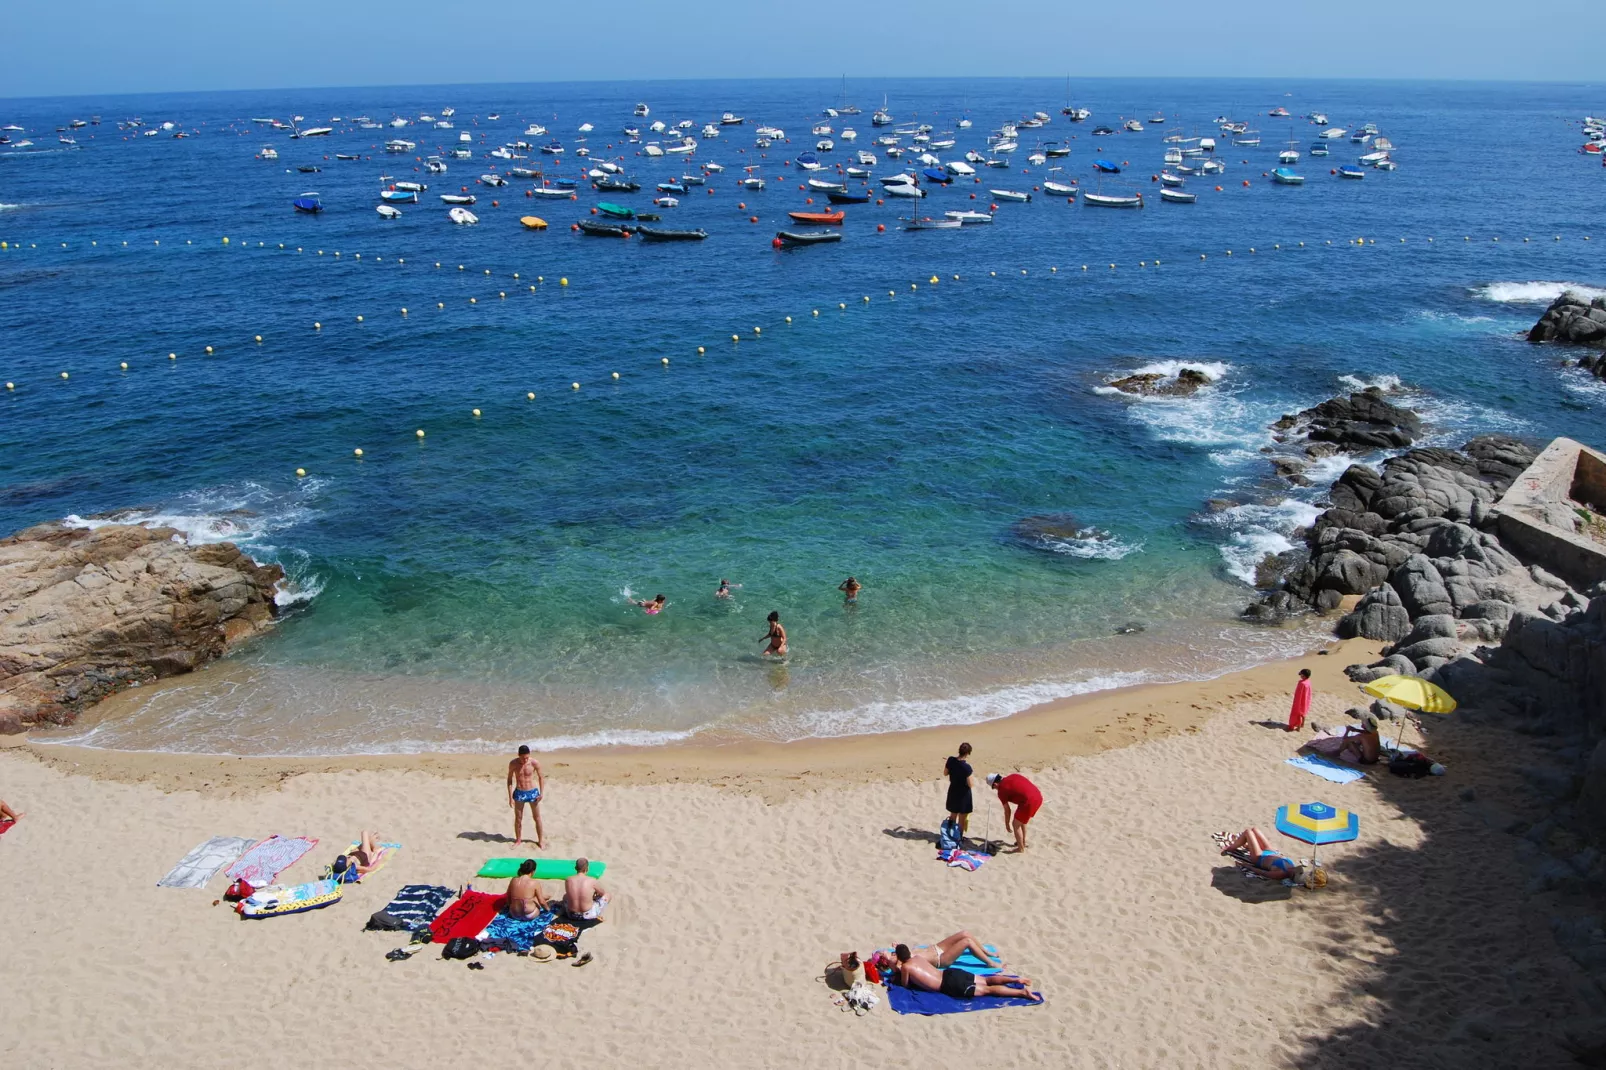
{"points": [[775, 637], [654, 606], [725, 589], [851, 588]]}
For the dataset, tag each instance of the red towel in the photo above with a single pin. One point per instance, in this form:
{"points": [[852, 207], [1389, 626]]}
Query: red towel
{"points": [[5, 827], [468, 915]]}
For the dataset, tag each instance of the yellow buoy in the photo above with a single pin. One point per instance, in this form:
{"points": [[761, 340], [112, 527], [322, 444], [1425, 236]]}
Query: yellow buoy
{"points": [[225, 241], [419, 433], [356, 452], [515, 274], [437, 263], [359, 319], [460, 267], [616, 376], [758, 330], [842, 304], [563, 282], [994, 274], [124, 365], [1052, 271], [789, 318], [473, 300], [404, 311], [487, 271], [440, 304], [300, 472], [172, 356], [502, 294], [866, 301], [664, 361], [530, 396], [700, 351], [317, 326], [540, 278], [532, 288], [736, 338], [933, 280], [574, 386], [259, 339], [1157, 263], [11, 386], [476, 412], [64, 375], [816, 312], [209, 349]]}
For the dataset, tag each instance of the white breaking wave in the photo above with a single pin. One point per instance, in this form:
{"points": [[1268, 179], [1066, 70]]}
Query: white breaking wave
{"points": [[1537, 293], [243, 515], [1214, 370], [1386, 383], [908, 714], [8, 207], [1092, 544], [1254, 530]]}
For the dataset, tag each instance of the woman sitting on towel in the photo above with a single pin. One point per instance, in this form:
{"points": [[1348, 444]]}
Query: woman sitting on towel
{"points": [[353, 867], [1253, 849], [1360, 745]]}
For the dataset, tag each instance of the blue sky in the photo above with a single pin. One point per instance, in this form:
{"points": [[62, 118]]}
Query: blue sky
{"points": [[133, 46]]}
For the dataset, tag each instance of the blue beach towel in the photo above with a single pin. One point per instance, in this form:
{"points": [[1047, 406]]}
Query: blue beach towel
{"points": [[1326, 768], [914, 1001], [517, 934]]}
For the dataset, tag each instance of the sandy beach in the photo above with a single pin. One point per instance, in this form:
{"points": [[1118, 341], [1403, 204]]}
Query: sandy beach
{"points": [[740, 872]]}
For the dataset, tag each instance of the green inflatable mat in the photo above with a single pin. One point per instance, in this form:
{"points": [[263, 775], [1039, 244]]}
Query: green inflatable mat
{"points": [[547, 869]]}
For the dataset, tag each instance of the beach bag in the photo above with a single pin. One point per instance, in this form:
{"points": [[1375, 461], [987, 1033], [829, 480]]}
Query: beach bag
{"points": [[1410, 765], [383, 921], [460, 947], [948, 835], [239, 890]]}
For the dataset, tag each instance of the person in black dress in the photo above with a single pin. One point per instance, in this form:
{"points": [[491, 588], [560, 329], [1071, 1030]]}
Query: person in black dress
{"points": [[959, 781]]}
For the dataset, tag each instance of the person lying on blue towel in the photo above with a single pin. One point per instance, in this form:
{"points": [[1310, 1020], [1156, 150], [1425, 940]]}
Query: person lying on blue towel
{"points": [[956, 983]]}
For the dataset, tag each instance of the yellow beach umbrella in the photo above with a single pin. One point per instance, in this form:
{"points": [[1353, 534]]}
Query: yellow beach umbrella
{"points": [[1412, 692]]}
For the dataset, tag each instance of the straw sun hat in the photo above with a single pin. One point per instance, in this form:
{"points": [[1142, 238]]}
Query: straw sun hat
{"points": [[543, 953]]}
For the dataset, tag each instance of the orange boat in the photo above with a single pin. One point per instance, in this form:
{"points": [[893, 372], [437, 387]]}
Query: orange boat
{"points": [[821, 218]]}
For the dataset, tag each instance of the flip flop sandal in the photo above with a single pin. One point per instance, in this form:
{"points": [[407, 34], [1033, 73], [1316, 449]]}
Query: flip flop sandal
{"points": [[583, 960]]}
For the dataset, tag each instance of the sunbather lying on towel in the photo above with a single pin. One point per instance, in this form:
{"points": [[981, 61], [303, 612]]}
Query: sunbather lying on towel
{"points": [[946, 952], [350, 868], [583, 897], [1360, 745], [524, 898], [1253, 849], [960, 984]]}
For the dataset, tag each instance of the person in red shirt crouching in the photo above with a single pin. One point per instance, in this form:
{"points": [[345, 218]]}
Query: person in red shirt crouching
{"points": [[1016, 790]]}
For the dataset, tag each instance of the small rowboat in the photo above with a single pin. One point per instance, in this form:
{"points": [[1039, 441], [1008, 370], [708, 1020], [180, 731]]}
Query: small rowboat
{"points": [[546, 191], [409, 187], [843, 197], [1105, 200], [1286, 177], [827, 187], [1010, 195], [307, 202], [662, 234], [1168, 179], [968, 218], [929, 223], [1059, 189], [387, 212], [1177, 196], [818, 237], [462, 217], [1106, 166], [533, 222], [457, 198], [819, 218], [603, 230], [671, 187], [395, 196], [615, 185], [617, 211], [1351, 172], [493, 180]]}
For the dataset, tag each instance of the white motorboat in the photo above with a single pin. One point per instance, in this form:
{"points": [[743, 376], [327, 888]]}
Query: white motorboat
{"points": [[523, 172], [774, 133], [554, 194], [666, 202], [1168, 179], [1177, 196], [940, 143], [535, 130], [849, 134], [710, 130], [1104, 200], [1333, 132], [821, 186], [902, 178], [908, 189], [960, 170], [1037, 159], [435, 165], [825, 144], [409, 187], [858, 172], [643, 111], [493, 180], [448, 112], [464, 137], [652, 150], [457, 198], [1014, 196], [1172, 156], [685, 124], [398, 122], [1374, 157], [969, 218], [501, 153], [1133, 126], [974, 157], [1318, 118], [1288, 155], [1059, 189], [396, 146], [894, 152], [731, 119], [1005, 147], [1212, 167], [462, 154], [822, 130], [684, 147], [387, 211], [752, 183], [462, 217], [443, 125], [929, 223], [268, 153], [586, 128]]}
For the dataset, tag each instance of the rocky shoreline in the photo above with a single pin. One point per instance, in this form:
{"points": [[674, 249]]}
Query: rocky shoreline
{"points": [[86, 612]]}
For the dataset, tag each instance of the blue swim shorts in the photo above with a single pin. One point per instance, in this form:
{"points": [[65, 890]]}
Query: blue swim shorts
{"points": [[533, 795]]}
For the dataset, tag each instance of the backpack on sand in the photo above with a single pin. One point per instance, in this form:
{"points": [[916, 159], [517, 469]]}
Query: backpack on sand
{"points": [[948, 835]]}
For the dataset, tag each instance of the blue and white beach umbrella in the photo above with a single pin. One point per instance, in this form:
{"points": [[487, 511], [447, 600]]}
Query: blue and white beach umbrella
{"points": [[1317, 823]]}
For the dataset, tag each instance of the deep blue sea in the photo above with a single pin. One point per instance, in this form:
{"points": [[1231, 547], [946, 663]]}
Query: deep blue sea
{"points": [[472, 587]]}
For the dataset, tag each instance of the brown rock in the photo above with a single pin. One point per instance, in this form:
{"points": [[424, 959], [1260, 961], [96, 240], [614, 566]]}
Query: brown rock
{"points": [[1151, 384], [85, 613]]}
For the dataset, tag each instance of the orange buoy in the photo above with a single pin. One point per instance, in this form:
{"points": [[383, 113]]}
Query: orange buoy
{"points": [[593, 211], [880, 228], [776, 242], [878, 200], [741, 205], [1218, 189], [811, 200], [574, 226], [752, 219]]}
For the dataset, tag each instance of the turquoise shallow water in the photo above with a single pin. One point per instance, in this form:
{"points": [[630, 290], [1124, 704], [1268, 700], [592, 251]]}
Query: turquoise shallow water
{"points": [[468, 589]]}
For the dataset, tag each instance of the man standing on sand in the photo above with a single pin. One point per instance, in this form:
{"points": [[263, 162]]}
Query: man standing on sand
{"points": [[1016, 789], [583, 897], [525, 784], [1296, 715]]}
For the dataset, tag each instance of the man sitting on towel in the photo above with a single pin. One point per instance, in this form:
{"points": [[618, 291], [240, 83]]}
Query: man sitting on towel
{"points": [[959, 984], [583, 897], [524, 899]]}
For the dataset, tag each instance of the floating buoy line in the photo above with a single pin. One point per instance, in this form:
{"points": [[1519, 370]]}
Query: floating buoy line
{"points": [[925, 285]]}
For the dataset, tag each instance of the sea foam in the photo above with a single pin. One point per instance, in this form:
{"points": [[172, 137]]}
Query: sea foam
{"points": [[1535, 293]]}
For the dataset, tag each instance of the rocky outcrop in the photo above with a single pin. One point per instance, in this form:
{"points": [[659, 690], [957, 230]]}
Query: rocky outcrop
{"points": [[1572, 318], [85, 613], [1152, 384], [1595, 366], [1360, 423]]}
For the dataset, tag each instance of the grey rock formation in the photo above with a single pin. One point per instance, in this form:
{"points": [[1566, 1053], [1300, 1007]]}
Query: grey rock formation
{"points": [[1362, 422], [1150, 384], [1572, 318]]}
